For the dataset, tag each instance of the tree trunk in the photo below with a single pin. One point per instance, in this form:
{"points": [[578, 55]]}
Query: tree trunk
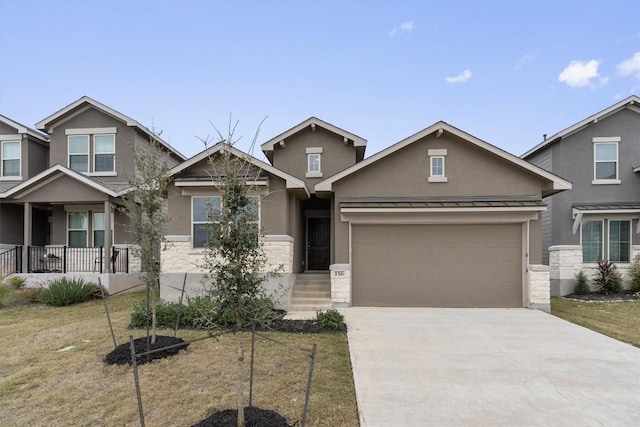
{"points": [[240, 379], [153, 312]]}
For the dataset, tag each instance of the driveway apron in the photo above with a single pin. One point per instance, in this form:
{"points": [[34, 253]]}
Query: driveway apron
{"points": [[488, 367]]}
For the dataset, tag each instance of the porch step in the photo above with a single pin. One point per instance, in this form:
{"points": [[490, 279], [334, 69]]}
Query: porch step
{"points": [[311, 292]]}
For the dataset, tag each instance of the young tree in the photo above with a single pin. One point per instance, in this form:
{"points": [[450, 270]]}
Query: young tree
{"points": [[235, 257], [145, 205]]}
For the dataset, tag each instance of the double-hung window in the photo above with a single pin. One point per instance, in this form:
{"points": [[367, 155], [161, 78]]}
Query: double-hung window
{"points": [[204, 213], [98, 228], [605, 163], [619, 240], [314, 162], [592, 238], [617, 234], [78, 229], [92, 150], [436, 165], [10, 159]]}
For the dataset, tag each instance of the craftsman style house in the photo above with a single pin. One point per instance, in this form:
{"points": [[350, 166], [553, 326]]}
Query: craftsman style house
{"points": [[598, 218], [439, 219], [60, 186]]}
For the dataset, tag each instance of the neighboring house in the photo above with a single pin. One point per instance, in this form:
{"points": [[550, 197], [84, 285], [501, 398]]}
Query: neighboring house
{"points": [[598, 218], [60, 190], [439, 219]]}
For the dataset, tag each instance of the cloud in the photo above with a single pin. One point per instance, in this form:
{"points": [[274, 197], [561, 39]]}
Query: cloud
{"points": [[405, 27], [580, 74], [630, 67], [523, 60], [460, 78]]}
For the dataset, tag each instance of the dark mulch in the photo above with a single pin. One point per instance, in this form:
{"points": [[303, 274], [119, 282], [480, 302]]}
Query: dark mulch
{"points": [[600, 297], [122, 353], [253, 417], [298, 326]]}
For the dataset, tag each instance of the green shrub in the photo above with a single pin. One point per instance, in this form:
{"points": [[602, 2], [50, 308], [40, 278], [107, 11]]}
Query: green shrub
{"points": [[66, 291], [608, 280], [8, 295], [581, 287], [636, 296], [635, 274], [330, 319], [199, 313], [17, 282]]}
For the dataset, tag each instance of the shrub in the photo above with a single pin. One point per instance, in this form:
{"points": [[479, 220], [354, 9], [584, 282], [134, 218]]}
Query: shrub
{"points": [[330, 319], [17, 282], [199, 313], [636, 296], [66, 291], [581, 287], [8, 295], [635, 274], [608, 279]]}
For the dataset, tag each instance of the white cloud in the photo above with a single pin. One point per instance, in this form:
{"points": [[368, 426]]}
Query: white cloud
{"points": [[580, 74], [405, 27], [523, 60], [460, 78], [631, 66]]}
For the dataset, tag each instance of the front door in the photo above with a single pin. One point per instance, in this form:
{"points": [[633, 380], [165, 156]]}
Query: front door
{"points": [[318, 231]]}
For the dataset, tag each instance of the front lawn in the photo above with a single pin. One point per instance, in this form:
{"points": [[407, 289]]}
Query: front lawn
{"points": [[619, 320], [52, 373]]}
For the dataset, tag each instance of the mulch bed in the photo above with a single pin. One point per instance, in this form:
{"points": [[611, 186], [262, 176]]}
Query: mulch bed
{"points": [[121, 355], [600, 297], [253, 417]]}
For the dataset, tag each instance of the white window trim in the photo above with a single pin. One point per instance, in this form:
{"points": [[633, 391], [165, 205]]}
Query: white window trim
{"points": [[601, 221], [606, 141], [86, 230], [69, 154], [193, 222], [94, 229], [2, 159], [91, 131], [310, 173], [437, 153], [103, 173]]}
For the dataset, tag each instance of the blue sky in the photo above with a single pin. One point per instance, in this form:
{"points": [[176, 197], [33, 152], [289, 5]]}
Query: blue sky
{"points": [[504, 71]]}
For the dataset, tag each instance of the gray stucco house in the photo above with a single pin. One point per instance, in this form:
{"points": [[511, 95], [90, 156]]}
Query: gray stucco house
{"points": [[598, 218], [440, 218]]}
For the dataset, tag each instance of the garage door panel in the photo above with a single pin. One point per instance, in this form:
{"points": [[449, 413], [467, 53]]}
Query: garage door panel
{"points": [[437, 265]]}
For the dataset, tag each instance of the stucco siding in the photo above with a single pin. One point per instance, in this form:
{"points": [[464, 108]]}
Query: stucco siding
{"points": [[36, 158], [11, 224]]}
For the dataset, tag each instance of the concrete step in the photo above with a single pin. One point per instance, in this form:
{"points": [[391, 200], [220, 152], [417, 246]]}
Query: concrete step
{"points": [[309, 307], [311, 294]]}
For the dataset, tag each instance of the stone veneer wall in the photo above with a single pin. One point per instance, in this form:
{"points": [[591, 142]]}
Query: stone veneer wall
{"points": [[340, 285], [182, 264], [565, 261], [539, 288]]}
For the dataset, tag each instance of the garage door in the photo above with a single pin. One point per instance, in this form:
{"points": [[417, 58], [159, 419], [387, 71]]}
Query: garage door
{"points": [[437, 265]]}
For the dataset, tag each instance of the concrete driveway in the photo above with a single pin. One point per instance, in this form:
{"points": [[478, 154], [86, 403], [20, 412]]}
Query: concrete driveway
{"points": [[488, 367]]}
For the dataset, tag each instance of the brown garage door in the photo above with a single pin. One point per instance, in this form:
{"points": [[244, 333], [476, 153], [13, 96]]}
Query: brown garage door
{"points": [[437, 265]]}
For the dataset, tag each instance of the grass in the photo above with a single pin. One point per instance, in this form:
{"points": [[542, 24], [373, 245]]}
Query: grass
{"points": [[41, 385], [619, 320]]}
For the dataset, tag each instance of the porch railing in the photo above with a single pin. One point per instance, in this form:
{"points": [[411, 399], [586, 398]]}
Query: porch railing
{"points": [[62, 259], [10, 261]]}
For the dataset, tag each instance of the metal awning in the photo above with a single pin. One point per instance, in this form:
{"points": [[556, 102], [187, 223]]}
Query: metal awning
{"points": [[581, 209]]}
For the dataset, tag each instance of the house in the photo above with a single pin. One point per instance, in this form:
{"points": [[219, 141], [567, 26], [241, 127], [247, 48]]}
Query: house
{"points": [[440, 218], [598, 218], [61, 186]]}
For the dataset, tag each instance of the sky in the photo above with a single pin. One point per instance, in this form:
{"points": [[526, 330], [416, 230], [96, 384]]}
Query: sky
{"points": [[504, 71]]}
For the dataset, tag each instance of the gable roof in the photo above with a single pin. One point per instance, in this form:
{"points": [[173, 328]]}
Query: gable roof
{"points": [[313, 121], [292, 181], [632, 102], [558, 184], [85, 102], [53, 173], [22, 129]]}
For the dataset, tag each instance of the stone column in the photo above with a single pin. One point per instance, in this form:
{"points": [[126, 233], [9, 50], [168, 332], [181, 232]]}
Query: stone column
{"points": [[539, 288], [340, 285], [565, 261]]}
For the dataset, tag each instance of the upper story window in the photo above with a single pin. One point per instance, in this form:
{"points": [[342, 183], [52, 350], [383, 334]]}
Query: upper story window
{"points": [[314, 162], [92, 151], [11, 159], [436, 165], [605, 160]]}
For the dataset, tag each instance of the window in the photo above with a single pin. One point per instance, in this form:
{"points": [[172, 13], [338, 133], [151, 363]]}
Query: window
{"points": [[78, 225], [104, 153], [79, 153], [314, 162], [605, 167], [619, 241], [591, 241], [203, 212], [10, 158], [98, 228], [436, 165]]}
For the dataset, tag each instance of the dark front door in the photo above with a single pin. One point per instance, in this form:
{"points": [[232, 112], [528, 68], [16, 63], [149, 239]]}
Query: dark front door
{"points": [[318, 231]]}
